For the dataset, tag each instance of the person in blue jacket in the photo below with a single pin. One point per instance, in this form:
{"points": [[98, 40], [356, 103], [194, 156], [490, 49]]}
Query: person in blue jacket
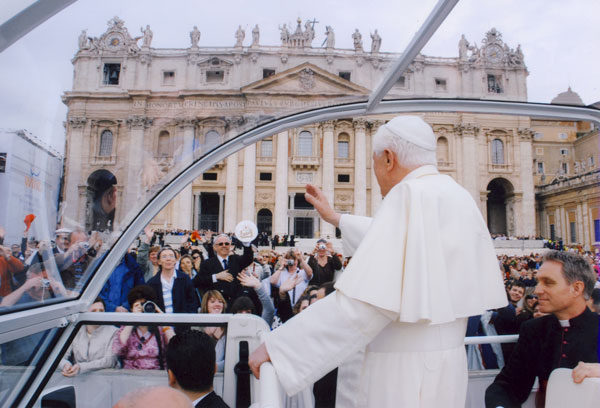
{"points": [[125, 277]]}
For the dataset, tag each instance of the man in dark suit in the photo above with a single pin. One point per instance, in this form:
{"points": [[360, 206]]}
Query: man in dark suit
{"points": [[563, 338], [191, 366], [220, 272]]}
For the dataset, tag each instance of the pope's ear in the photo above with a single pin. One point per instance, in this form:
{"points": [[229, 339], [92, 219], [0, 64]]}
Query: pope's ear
{"points": [[172, 379]]}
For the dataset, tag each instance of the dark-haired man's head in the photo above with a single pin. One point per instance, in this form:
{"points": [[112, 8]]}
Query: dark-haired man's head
{"points": [[325, 289], [516, 292], [191, 363], [243, 304]]}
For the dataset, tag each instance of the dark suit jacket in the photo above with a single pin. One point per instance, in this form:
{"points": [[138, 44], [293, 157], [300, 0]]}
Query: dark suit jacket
{"points": [[212, 400], [543, 345], [185, 299], [211, 266]]}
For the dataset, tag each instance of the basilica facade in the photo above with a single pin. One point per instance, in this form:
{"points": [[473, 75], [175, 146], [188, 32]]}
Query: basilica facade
{"points": [[143, 113]]}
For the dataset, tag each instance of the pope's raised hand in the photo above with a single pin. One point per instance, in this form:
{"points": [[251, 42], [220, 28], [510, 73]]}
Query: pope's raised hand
{"points": [[316, 197]]}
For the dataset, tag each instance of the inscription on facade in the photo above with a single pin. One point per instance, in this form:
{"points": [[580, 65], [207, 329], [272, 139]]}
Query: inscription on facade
{"points": [[252, 103], [305, 177]]}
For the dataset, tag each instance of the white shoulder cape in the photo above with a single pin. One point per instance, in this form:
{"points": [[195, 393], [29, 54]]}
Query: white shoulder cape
{"points": [[426, 256]]}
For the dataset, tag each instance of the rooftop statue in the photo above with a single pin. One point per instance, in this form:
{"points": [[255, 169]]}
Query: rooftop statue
{"points": [[240, 34], [357, 37], [375, 42], [330, 37], [147, 36], [195, 37], [255, 35]]}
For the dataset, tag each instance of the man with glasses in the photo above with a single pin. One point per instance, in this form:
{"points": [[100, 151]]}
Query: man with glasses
{"points": [[220, 271]]}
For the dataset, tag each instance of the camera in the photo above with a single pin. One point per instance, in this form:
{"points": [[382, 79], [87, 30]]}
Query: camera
{"points": [[289, 262], [322, 246], [45, 283], [84, 245], [149, 307]]}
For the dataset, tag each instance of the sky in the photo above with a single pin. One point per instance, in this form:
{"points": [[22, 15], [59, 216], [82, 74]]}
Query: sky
{"points": [[558, 38]]}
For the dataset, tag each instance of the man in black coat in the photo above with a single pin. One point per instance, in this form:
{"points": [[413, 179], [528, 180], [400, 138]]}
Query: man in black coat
{"points": [[220, 272], [563, 338], [191, 366]]}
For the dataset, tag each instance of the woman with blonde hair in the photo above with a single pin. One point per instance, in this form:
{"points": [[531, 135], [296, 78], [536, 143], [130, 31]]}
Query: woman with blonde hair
{"points": [[214, 302]]}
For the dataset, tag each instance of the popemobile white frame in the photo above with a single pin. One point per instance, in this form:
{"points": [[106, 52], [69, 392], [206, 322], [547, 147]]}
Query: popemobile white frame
{"points": [[72, 313]]}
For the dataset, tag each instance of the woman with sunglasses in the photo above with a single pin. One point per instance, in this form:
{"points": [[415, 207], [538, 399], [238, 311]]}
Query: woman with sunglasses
{"points": [[142, 347]]}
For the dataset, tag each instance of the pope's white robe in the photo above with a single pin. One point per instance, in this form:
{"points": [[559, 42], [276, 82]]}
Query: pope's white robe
{"points": [[422, 266]]}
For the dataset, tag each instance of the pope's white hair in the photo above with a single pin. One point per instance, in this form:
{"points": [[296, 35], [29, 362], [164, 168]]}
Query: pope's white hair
{"points": [[409, 154]]}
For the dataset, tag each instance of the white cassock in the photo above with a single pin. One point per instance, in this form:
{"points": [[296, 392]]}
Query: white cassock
{"points": [[420, 268]]}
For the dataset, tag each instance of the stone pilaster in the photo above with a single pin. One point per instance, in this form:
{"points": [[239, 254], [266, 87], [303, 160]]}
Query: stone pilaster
{"points": [[280, 218], [375, 190], [249, 183], [291, 226], [137, 126], [231, 192], [470, 170], [76, 127], [360, 168], [221, 202], [184, 198], [328, 173], [527, 227]]}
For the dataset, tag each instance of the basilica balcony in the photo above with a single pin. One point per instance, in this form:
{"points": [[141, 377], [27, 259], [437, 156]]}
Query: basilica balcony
{"points": [[500, 168], [305, 162], [344, 162], [265, 159]]}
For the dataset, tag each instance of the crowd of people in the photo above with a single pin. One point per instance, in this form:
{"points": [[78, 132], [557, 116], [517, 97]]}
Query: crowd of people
{"points": [[215, 273]]}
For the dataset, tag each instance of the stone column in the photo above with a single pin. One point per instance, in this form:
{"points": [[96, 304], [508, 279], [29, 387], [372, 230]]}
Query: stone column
{"points": [[184, 198], [328, 173], [291, 227], [231, 192], [470, 161], [196, 216], [280, 218], [221, 197], [375, 190], [527, 226], [137, 126], [579, 223], [557, 223], [360, 168], [587, 238], [73, 173], [248, 187]]}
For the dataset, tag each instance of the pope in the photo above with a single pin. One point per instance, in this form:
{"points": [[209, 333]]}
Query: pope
{"points": [[419, 269]]}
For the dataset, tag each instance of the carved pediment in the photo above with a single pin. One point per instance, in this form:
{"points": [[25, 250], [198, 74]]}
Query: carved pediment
{"points": [[214, 62], [305, 79]]}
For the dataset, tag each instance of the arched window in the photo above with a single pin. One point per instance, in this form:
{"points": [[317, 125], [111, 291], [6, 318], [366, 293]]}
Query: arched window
{"points": [[305, 144], [106, 142], [442, 150], [497, 151], [343, 146], [212, 139], [164, 149]]}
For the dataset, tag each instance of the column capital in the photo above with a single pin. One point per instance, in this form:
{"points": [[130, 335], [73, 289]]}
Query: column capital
{"points": [[186, 123], [328, 125], [526, 134], [77, 122], [375, 124], [467, 129], [359, 124], [139, 121]]}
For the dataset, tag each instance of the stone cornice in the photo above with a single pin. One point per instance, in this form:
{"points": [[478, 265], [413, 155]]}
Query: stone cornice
{"points": [[139, 121]]}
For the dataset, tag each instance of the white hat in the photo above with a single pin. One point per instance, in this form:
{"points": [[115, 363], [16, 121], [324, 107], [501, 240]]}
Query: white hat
{"points": [[63, 231], [412, 129]]}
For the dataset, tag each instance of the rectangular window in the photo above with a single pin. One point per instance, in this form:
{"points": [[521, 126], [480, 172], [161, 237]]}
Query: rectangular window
{"points": [[111, 74], [401, 81], [2, 162], [168, 77], [266, 148], [345, 75], [540, 167], [552, 232], [215, 76], [440, 84], [268, 72], [209, 176], [573, 232], [343, 150], [265, 176], [596, 230], [343, 178], [494, 84], [591, 162], [565, 168], [539, 151], [538, 136], [563, 136], [564, 152]]}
